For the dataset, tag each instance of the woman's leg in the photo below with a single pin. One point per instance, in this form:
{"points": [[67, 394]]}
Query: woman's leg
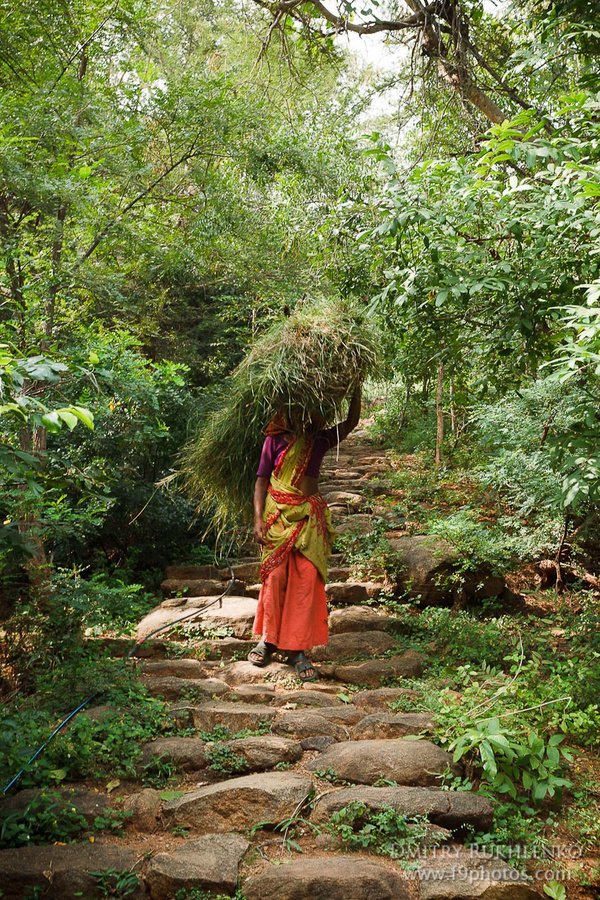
{"points": [[304, 617]]}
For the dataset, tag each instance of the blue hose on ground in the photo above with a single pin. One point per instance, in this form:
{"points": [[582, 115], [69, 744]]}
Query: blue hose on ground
{"points": [[126, 659]]}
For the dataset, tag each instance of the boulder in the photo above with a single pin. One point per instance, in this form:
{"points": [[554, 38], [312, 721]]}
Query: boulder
{"points": [[236, 613], [358, 618], [470, 875], [333, 878], [145, 809], [455, 810], [265, 751], [344, 499], [302, 723], [187, 753], [174, 688], [234, 716], [412, 762], [196, 587], [351, 592], [239, 803], [427, 564], [383, 725], [380, 698], [61, 872], [208, 863], [352, 645], [371, 672]]}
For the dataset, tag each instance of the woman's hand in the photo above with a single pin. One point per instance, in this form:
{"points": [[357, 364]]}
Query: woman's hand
{"points": [[260, 530]]}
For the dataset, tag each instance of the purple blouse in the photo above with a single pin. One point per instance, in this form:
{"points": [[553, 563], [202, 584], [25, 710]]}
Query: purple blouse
{"points": [[275, 444]]}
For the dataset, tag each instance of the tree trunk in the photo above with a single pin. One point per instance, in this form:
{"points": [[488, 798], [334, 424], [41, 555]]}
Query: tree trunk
{"points": [[439, 394]]}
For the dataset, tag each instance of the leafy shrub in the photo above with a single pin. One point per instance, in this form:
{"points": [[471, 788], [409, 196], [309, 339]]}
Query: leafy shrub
{"points": [[385, 831]]}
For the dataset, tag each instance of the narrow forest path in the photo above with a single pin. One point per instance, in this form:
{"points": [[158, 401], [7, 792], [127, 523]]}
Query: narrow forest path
{"points": [[257, 748]]}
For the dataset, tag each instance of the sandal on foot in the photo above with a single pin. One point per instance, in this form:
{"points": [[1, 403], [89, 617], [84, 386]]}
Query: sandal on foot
{"points": [[302, 665], [262, 654]]}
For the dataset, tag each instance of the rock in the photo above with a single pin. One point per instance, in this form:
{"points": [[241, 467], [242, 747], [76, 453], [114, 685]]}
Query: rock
{"points": [[253, 590], [338, 573], [306, 697], [383, 725], [345, 714], [352, 592], [173, 668], [193, 689], [358, 618], [173, 603], [60, 872], [194, 587], [88, 803], [187, 753], [145, 808], [245, 571], [234, 716], [354, 524], [382, 697], [222, 648], [192, 573], [352, 645], [333, 878], [320, 742], [413, 762], [155, 619], [371, 672], [455, 810], [301, 724], [266, 751], [236, 613], [253, 693], [207, 863], [344, 498], [244, 672], [239, 803], [426, 566], [470, 875]]}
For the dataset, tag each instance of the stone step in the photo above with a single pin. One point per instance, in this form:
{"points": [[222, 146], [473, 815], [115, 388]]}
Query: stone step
{"points": [[389, 726], [354, 619], [405, 761], [240, 803], [194, 587], [208, 863], [186, 753], [466, 873], [353, 645], [234, 716], [234, 613], [330, 878], [371, 672], [194, 573], [450, 809], [352, 592], [261, 752], [195, 689]]}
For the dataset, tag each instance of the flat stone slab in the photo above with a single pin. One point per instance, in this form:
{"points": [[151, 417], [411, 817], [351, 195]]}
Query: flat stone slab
{"points": [[173, 668], [412, 762], [61, 872], [306, 697], [209, 863], [194, 587], [409, 665], [380, 698], [244, 571], [175, 688], [253, 693], [346, 715], [449, 809], [187, 753], [353, 645], [351, 592], [239, 803], [156, 619], [244, 672], [358, 618], [237, 613], [303, 723], [330, 878], [221, 648], [338, 573], [234, 716], [265, 751], [384, 725], [470, 875]]}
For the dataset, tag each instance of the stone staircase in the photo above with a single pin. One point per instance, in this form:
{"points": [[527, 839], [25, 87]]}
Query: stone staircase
{"points": [[305, 752]]}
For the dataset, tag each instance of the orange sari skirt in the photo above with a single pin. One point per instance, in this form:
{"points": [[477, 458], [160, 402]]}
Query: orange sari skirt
{"points": [[292, 606]]}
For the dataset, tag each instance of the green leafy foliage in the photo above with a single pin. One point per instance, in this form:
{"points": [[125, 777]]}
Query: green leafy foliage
{"points": [[385, 831]]}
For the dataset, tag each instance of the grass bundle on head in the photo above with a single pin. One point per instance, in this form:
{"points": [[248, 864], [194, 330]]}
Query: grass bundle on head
{"points": [[307, 365]]}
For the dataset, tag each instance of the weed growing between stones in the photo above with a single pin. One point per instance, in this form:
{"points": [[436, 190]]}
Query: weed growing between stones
{"points": [[385, 831], [222, 733], [111, 883], [159, 771], [51, 817], [224, 761]]}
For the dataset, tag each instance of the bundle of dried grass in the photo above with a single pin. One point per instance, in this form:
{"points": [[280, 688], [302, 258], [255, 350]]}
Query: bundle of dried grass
{"points": [[307, 365]]}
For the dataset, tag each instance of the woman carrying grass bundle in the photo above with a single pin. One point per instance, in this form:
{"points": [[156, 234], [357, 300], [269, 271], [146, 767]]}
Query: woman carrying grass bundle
{"points": [[293, 525]]}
